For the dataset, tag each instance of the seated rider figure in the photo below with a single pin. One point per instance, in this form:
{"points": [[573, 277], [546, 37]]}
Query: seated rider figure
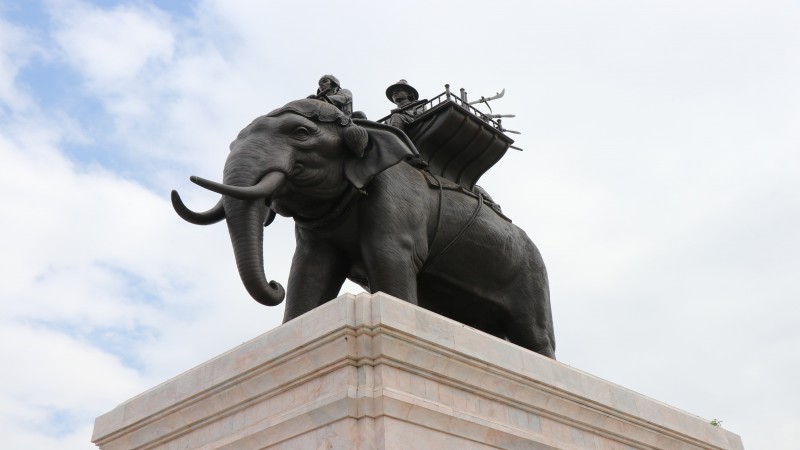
{"points": [[331, 91], [402, 95]]}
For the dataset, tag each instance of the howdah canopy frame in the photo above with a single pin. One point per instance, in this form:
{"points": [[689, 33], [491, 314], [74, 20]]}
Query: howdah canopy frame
{"points": [[458, 141]]}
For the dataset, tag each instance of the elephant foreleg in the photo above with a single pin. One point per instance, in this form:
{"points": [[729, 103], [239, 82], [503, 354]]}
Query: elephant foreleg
{"points": [[395, 225], [392, 268], [317, 274]]}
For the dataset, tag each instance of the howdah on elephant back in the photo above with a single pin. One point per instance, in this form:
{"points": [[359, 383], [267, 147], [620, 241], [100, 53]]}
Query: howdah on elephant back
{"points": [[366, 209]]}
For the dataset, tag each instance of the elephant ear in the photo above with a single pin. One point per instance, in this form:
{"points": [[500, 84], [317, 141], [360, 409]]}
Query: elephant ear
{"points": [[385, 147]]}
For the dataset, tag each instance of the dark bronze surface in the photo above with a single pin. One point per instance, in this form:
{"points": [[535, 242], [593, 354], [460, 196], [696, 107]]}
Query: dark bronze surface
{"points": [[365, 210]]}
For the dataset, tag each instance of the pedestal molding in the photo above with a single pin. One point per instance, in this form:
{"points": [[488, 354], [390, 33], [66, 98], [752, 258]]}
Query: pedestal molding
{"points": [[372, 372]]}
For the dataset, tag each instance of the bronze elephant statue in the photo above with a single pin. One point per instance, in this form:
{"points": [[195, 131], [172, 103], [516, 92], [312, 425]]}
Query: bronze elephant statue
{"points": [[366, 209]]}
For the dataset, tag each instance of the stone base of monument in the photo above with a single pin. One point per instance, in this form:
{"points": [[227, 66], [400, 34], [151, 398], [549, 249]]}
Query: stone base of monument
{"points": [[373, 372]]}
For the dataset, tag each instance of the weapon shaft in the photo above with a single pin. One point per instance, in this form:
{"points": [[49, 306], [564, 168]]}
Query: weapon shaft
{"points": [[486, 99]]}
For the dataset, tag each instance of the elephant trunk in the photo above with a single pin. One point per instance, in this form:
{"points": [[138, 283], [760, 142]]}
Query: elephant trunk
{"points": [[245, 219]]}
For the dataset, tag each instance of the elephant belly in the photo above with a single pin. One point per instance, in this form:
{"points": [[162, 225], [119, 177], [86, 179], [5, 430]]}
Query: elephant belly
{"points": [[486, 258], [462, 305], [491, 275], [358, 275]]}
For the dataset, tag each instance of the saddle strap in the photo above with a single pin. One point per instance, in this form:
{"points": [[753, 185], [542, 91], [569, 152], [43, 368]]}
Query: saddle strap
{"points": [[460, 234]]}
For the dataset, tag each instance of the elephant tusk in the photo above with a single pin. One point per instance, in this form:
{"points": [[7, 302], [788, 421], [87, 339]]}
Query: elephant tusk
{"points": [[213, 215], [263, 189]]}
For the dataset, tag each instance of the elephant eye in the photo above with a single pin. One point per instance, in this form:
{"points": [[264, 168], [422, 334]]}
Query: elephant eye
{"points": [[301, 133]]}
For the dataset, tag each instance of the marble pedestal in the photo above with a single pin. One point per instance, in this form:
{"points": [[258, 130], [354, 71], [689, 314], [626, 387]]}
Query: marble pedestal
{"points": [[373, 372]]}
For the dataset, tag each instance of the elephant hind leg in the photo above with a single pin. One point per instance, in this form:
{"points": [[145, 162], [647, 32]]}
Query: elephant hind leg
{"points": [[531, 319], [529, 335]]}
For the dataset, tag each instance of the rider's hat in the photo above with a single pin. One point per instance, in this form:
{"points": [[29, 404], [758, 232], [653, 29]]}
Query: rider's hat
{"points": [[402, 84], [333, 79]]}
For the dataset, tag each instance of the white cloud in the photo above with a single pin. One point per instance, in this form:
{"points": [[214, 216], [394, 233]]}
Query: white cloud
{"points": [[16, 48], [111, 48], [97, 301], [94, 277]]}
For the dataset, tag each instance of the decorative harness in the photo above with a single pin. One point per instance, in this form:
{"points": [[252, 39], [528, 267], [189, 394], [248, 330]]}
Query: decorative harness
{"points": [[434, 182], [440, 183], [344, 203]]}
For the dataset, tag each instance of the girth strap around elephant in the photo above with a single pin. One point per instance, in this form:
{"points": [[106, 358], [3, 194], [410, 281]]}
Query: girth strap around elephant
{"points": [[440, 183], [437, 182], [342, 205]]}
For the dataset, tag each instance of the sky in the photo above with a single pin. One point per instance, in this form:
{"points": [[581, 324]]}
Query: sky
{"points": [[660, 178]]}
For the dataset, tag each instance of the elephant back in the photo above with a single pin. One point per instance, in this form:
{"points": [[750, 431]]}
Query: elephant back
{"points": [[316, 110]]}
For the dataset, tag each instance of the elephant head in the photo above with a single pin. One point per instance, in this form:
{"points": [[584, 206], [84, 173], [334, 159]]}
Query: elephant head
{"points": [[299, 161]]}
